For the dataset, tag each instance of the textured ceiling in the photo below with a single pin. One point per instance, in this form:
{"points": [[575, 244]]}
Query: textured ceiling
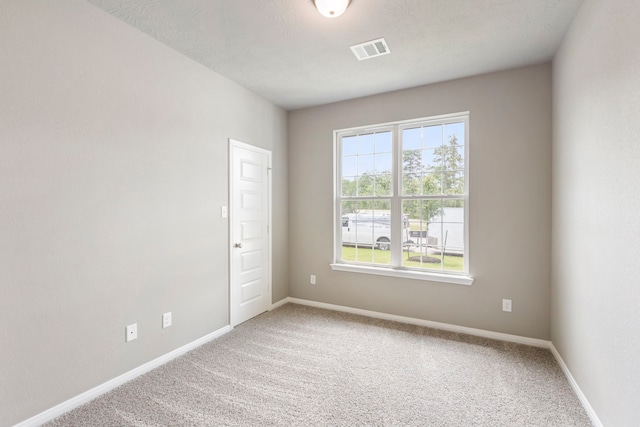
{"points": [[287, 52]]}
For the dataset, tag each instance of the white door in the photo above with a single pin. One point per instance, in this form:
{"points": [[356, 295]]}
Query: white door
{"points": [[250, 212]]}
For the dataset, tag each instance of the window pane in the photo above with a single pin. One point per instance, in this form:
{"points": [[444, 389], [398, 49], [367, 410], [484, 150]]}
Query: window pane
{"points": [[454, 131], [421, 210], [412, 161], [437, 169], [411, 139], [453, 234], [381, 216], [349, 146], [431, 184], [414, 233], [349, 166], [429, 159], [415, 254], [365, 144], [453, 182], [383, 142], [348, 208], [411, 172], [383, 185], [451, 158], [365, 164], [431, 210], [446, 162], [363, 231], [349, 186], [366, 231], [411, 185], [347, 236], [453, 237], [436, 234], [411, 211], [383, 162], [411, 225], [432, 136], [460, 149]]}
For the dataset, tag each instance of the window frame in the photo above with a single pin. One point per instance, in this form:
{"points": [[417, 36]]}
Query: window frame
{"points": [[395, 269]]}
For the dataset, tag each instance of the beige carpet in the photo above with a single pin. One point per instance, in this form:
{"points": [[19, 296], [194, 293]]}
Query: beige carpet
{"points": [[302, 366]]}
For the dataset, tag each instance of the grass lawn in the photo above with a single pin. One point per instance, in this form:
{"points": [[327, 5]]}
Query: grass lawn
{"points": [[376, 256]]}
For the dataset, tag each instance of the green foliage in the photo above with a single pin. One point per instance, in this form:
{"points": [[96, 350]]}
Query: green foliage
{"points": [[376, 256], [445, 178], [450, 167], [416, 182]]}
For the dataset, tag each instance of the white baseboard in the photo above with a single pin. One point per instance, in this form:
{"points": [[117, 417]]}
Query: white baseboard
{"points": [[429, 324], [576, 388], [280, 303], [89, 395]]}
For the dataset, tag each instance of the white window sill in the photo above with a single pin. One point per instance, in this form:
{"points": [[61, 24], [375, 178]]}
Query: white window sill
{"points": [[457, 279]]}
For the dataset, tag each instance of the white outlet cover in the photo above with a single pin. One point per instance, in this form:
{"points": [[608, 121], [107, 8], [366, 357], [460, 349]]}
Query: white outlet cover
{"points": [[166, 320], [132, 332], [506, 305], [313, 279]]}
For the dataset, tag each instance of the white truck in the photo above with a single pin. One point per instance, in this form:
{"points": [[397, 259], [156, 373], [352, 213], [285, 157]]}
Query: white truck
{"points": [[371, 228]]}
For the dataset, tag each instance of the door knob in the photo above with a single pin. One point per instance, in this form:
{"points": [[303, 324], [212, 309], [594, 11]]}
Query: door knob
{"points": [[238, 245]]}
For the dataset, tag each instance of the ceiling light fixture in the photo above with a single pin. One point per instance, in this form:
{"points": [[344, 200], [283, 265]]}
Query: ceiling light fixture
{"points": [[331, 8]]}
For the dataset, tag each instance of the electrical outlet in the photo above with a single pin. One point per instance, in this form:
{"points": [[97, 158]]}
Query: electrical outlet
{"points": [[312, 280], [506, 305], [166, 320], [132, 332]]}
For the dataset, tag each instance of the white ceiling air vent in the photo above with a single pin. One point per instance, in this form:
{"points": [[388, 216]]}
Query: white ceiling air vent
{"points": [[370, 49]]}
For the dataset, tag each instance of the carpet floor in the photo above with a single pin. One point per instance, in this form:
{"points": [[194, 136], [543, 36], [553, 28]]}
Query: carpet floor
{"points": [[303, 366]]}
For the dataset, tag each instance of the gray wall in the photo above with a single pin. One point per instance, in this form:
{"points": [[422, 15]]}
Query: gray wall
{"points": [[596, 207], [113, 168], [510, 203]]}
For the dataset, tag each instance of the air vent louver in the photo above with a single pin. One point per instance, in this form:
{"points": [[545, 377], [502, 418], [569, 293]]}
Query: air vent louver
{"points": [[370, 49]]}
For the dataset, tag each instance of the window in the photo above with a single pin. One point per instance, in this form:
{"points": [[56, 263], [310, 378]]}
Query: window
{"points": [[401, 199]]}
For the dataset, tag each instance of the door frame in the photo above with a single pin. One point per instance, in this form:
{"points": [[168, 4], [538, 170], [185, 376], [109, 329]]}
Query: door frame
{"points": [[232, 144]]}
